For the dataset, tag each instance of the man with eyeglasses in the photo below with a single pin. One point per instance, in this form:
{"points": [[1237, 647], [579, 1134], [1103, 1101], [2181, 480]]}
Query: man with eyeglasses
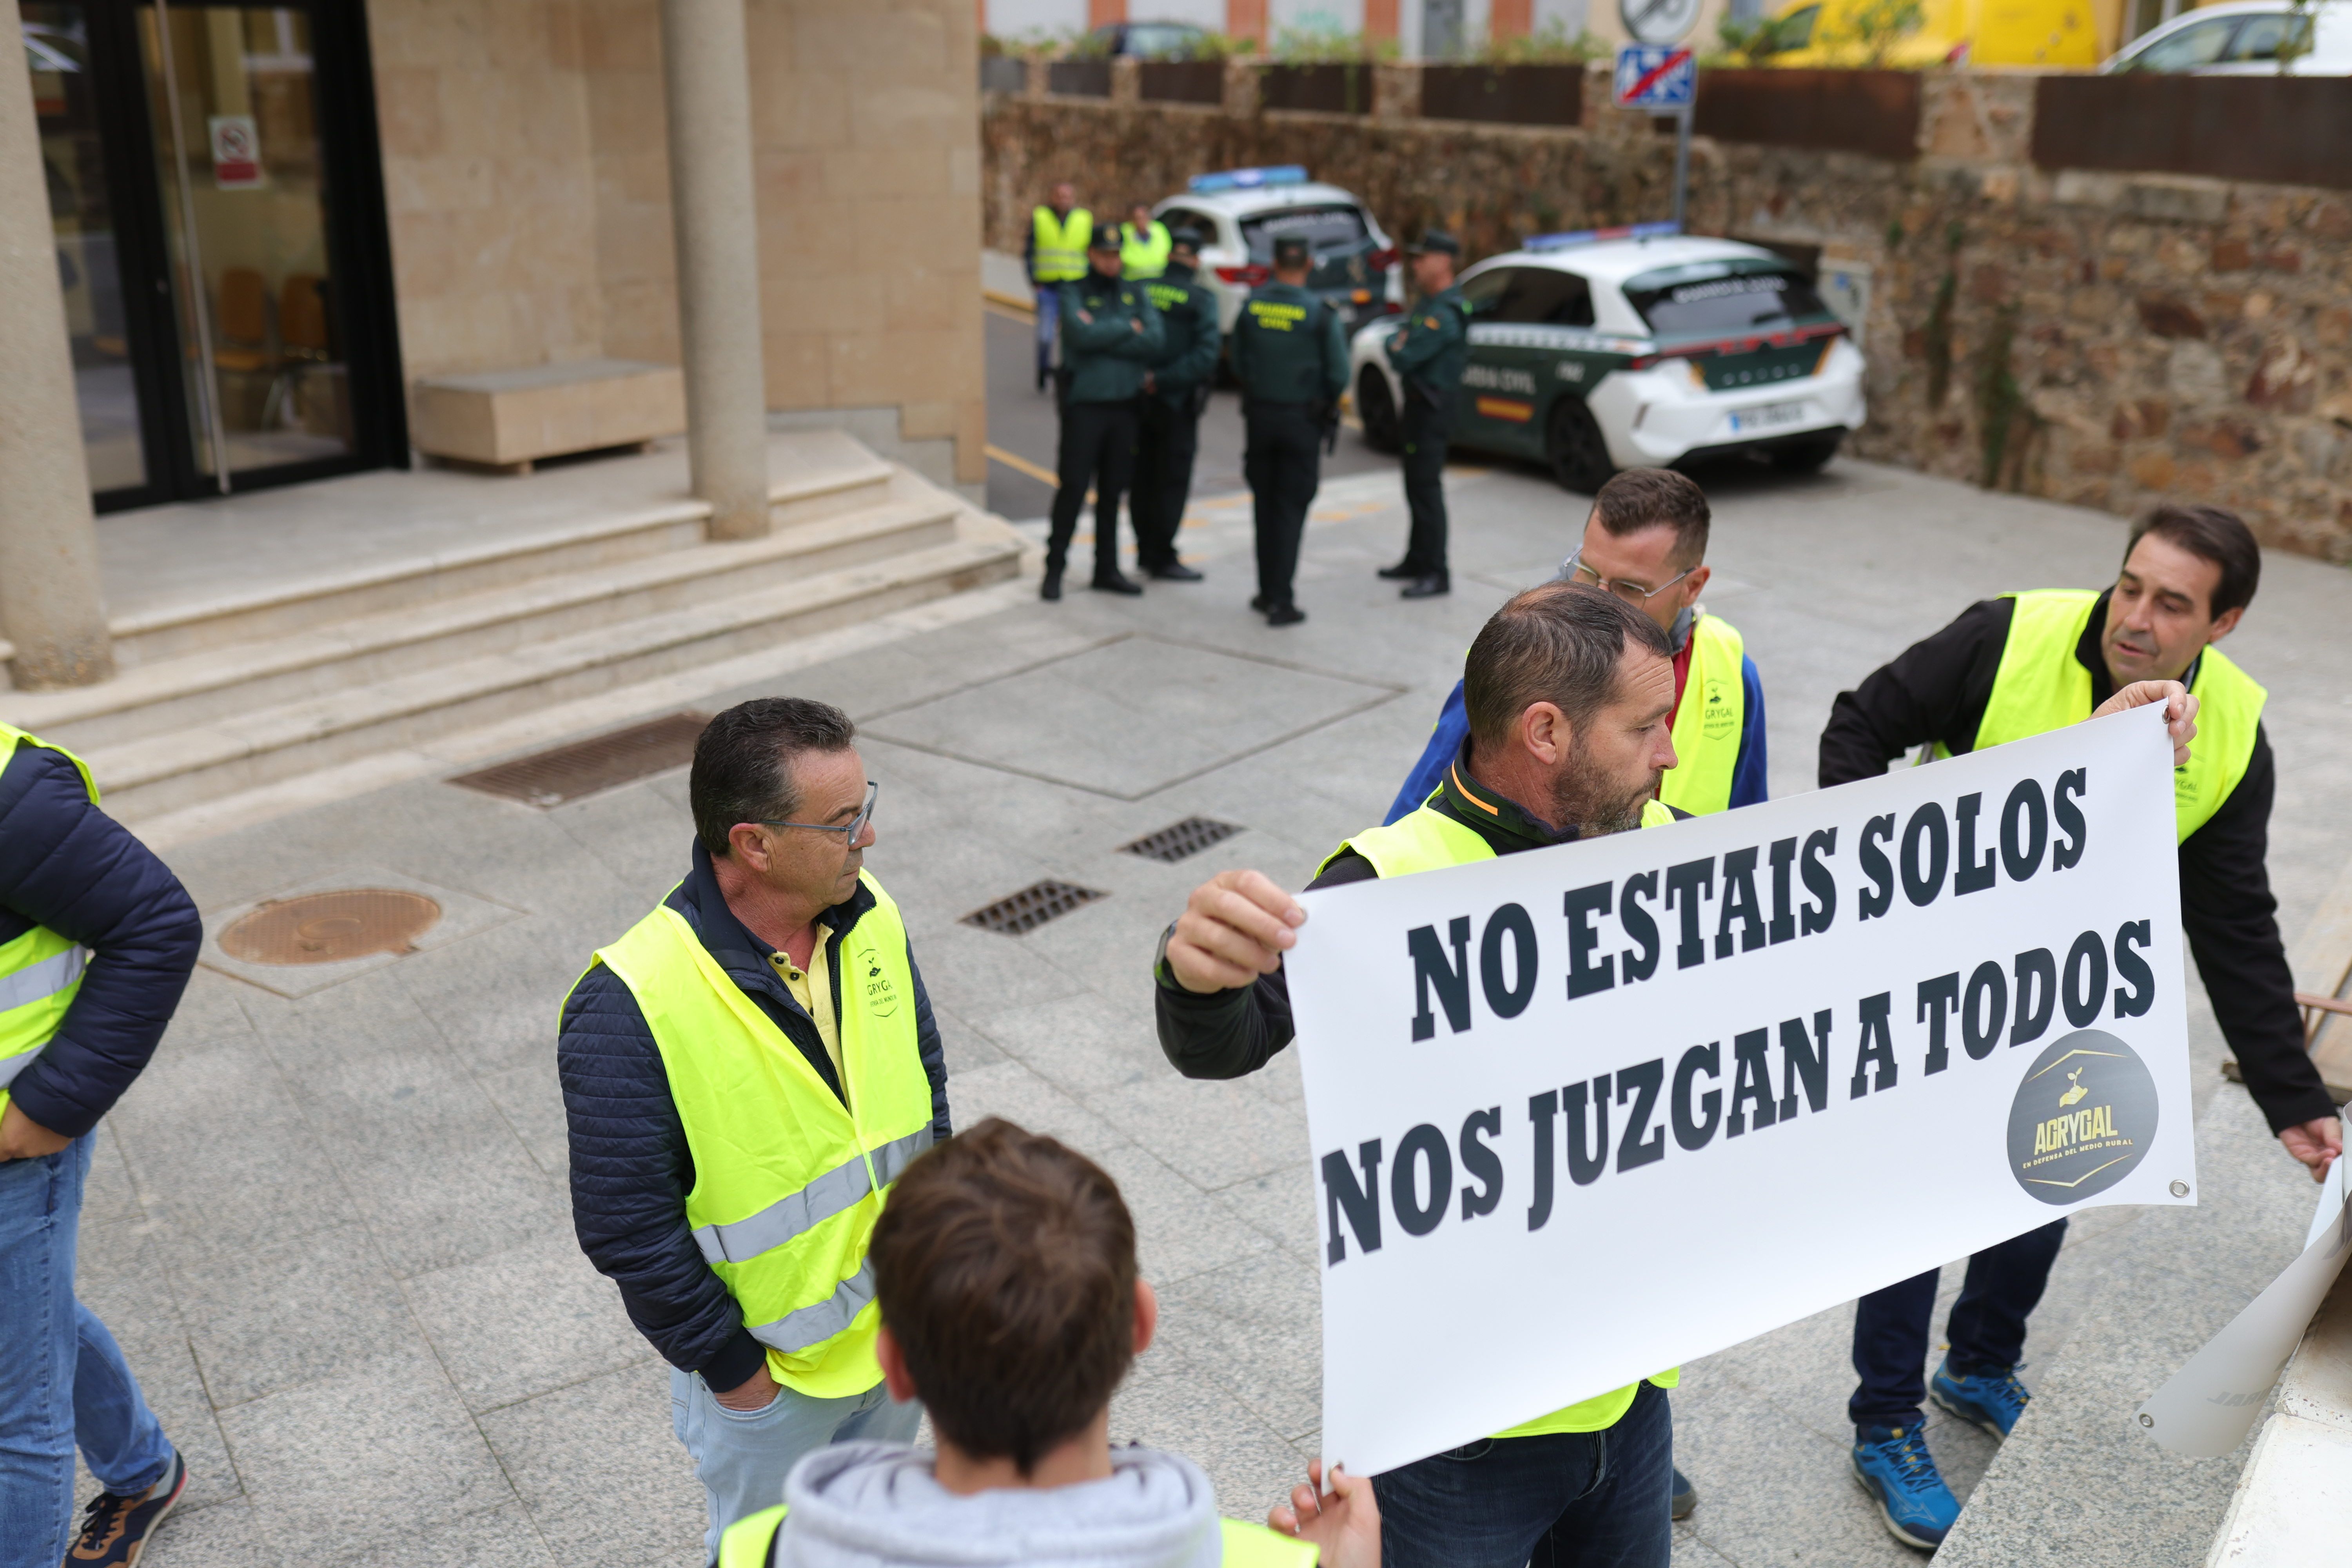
{"points": [[1645, 541], [745, 1073]]}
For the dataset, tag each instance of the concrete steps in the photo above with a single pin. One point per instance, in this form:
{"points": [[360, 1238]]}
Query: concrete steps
{"points": [[247, 693]]}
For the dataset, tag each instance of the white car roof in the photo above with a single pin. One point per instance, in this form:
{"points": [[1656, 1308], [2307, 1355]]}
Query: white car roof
{"points": [[1615, 260], [1241, 204]]}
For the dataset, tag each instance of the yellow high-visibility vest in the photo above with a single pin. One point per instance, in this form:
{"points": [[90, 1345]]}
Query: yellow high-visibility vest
{"points": [[788, 1181], [2041, 686], [1708, 724], [1428, 840], [751, 1540], [40, 972], [1143, 255], [1061, 245]]}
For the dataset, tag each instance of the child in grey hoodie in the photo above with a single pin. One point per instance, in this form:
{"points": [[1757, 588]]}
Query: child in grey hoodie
{"points": [[1004, 1266]]}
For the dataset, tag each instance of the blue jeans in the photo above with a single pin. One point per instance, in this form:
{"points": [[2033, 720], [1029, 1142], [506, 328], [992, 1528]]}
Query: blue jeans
{"points": [[1569, 1499], [62, 1377], [1049, 320], [1987, 1329], [741, 1456]]}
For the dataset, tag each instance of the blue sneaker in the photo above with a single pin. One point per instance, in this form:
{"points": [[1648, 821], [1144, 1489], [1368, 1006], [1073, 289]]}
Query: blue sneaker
{"points": [[1892, 1465], [1993, 1400]]}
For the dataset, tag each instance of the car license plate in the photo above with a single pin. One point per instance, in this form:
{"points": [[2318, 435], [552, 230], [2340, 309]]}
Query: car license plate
{"points": [[1767, 416]]}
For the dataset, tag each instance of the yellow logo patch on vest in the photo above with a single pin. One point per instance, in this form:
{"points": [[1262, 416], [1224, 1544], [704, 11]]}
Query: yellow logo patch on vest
{"points": [[872, 979], [1720, 719], [1274, 316]]}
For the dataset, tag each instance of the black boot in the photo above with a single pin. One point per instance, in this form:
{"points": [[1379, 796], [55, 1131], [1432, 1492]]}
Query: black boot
{"points": [[1050, 590], [1110, 580], [1428, 587], [1402, 572]]}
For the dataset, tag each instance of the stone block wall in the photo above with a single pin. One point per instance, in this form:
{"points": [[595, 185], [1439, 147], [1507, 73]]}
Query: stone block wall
{"points": [[2110, 340], [526, 167]]}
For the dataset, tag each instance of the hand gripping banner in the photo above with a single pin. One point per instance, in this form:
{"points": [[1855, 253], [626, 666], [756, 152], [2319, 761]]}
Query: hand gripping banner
{"points": [[1581, 1114]]}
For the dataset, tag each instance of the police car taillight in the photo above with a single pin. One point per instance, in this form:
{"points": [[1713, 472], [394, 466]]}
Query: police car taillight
{"points": [[1381, 258], [1252, 276]]}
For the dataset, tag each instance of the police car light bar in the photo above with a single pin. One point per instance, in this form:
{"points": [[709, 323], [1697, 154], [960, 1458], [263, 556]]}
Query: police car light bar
{"points": [[1247, 179], [1595, 236]]}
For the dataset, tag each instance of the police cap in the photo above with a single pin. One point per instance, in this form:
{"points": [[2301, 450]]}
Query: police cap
{"points": [[1291, 251], [1437, 240], [1103, 238]]}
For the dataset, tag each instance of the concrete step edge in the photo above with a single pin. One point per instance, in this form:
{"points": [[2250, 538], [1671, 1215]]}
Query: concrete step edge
{"points": [[131, 764], [230, 664]]}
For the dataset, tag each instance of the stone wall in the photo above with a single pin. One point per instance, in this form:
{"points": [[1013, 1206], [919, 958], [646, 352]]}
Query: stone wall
{"points": [[2106, 340], [526, 169]]}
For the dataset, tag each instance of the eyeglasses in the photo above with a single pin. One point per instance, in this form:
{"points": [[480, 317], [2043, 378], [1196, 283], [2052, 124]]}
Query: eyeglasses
{"points": [[848, 830], [1574, 569]]}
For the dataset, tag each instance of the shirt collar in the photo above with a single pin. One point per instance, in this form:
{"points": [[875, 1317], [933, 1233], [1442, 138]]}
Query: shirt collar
{"points": [[1502, 822]]}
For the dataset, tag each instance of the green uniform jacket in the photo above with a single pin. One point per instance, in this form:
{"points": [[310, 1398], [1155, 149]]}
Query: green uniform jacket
{"points": [[1105, 359], [1188, 356], [1287, 347], [1434, 345]]}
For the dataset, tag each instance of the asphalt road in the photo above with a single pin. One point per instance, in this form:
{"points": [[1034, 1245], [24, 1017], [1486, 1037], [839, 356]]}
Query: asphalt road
{"points": [[1022, 426]]}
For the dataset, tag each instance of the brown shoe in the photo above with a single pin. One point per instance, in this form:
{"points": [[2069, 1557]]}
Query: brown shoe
{"points": [[116, 1528]]}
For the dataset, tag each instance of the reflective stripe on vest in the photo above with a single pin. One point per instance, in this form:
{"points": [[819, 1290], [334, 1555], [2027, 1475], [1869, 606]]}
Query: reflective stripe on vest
{"points": [[2041, 686], [788, 1181], [750, 1543], [1060, 245], [1708, 725], [1426, 840], [1143, 255], [40, 972]]}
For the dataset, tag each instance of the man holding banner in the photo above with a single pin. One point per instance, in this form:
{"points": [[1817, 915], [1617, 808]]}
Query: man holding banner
{"points": [[1569, 693], [2017, 666]]}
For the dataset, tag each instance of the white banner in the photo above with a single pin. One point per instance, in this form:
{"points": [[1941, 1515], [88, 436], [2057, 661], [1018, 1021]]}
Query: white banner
{"points": [[1581, 1114]]}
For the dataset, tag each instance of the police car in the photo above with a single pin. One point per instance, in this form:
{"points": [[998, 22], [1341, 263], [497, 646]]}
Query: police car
{"points": [[1637, 347], [1242, 212]]}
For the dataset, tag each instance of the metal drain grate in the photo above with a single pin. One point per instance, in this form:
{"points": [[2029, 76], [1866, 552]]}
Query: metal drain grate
{"points": [[327, 928], [583, 767], [1020, 913], [1181, 840]]}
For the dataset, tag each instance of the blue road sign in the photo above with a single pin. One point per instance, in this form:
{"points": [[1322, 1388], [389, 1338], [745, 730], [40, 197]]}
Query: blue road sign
{"points": [[1656, 76]]}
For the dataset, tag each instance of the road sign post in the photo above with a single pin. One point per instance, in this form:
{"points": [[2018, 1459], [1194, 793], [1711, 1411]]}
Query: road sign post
{"points": [[1663, 79]]}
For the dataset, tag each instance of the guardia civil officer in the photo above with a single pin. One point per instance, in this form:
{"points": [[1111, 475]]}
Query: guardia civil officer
{"points": [[1288, 355], [1429, 353], [1175, 390], [1569, 692], [1110, 334], [1055, 254], [1143, 245], [1645, 541], [2017, 666], [746, 1071]]}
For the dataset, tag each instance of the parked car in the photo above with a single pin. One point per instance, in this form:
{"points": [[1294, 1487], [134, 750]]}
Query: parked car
{"points": [[1950, 32], [1242, 212], [2242, 38], [1637, 348], [1148, 40]]}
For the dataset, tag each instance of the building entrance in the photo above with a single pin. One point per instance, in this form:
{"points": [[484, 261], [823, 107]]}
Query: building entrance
{"points": [[217, 197]]}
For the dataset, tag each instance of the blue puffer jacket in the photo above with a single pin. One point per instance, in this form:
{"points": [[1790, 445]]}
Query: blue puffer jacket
{"points": [[630, 1167], [65, 865]]}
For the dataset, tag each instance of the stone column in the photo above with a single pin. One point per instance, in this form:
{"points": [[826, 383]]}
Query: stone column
{"points": [[707, 78], [50, 605]]}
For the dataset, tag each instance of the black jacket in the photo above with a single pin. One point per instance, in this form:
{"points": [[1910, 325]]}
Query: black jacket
{"points": [[1229, 1033], [1936, 691], [67, 865], [630, 1167]]}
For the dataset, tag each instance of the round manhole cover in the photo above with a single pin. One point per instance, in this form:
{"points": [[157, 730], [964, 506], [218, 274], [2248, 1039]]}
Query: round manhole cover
{"points": [[327, 928]]}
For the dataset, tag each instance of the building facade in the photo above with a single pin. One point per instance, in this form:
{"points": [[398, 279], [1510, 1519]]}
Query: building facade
{"points": [[270, 222]]}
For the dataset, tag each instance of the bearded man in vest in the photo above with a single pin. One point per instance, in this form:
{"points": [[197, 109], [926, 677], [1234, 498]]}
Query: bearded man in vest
{"points": [[745, 1072], [1645, 541], [2017, 666], [96, 942], [1055, 254]]}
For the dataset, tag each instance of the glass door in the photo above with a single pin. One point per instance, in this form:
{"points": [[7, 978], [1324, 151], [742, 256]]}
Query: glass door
{"points": [[218, 208]]}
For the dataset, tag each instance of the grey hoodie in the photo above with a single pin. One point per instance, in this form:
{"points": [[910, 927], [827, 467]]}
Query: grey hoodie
{"points": [[878, 1505]]}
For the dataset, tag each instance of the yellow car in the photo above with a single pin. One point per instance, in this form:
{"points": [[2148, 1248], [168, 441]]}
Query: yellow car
{"points": [[2059, 33]]}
